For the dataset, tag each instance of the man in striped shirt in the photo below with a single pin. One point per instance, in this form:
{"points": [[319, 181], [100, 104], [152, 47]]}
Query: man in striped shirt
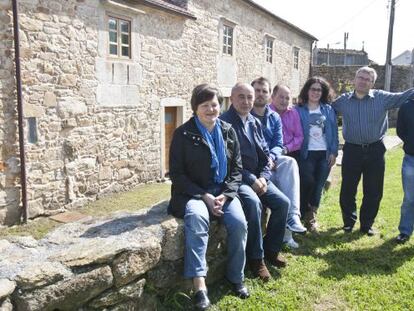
{"points": [[364, 124]]}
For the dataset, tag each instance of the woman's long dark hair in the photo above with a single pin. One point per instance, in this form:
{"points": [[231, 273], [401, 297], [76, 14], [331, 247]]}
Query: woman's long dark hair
{"points": [[327, 92]]}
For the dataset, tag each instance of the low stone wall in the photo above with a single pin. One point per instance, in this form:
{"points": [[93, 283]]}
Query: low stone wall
{"points": [[120, 262]]}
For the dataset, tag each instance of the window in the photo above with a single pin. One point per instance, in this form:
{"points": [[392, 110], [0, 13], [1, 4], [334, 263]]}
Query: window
{"points": [[32, 130], [269, 50], [228, 40], [119, 31], [296, 58]]}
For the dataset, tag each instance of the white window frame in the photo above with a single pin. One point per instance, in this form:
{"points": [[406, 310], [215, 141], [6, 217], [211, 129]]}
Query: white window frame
{"points": [[228, 40], [269, 44], [119, 45], [296, 55]]}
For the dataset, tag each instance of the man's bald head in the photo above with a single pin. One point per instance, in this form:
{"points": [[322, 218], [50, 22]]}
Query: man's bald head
{"points": [[242, 98]]}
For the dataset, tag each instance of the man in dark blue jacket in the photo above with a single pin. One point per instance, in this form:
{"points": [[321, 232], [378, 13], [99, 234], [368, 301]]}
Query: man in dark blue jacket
{"points": [[256, 186], [405, 131]]}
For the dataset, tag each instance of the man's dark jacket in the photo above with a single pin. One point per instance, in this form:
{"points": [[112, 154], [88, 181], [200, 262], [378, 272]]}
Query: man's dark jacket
{"points": [[257, 165], [405, 123], [190, 165]]}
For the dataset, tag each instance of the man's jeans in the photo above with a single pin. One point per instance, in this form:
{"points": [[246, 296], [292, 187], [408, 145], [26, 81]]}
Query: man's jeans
{"points": [[314, 172], [407, 207], [196, 226], [278, 203], [286, 179]]}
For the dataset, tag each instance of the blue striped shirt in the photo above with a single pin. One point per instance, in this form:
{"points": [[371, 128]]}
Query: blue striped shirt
{"points": [[365, 120]]}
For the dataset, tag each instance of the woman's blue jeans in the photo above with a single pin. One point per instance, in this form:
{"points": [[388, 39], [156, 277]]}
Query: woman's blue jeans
{"points": [[314, 170], [196, 227]]}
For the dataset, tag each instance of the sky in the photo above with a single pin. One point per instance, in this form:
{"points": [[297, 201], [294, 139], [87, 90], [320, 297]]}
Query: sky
{"points": [[364, 20]]}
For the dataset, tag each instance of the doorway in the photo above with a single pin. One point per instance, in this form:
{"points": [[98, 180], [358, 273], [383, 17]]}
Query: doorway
{"points": [[170, 124]]}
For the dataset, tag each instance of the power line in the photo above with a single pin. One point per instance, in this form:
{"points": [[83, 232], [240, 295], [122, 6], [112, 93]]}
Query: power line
{"points": [[349, 20]]}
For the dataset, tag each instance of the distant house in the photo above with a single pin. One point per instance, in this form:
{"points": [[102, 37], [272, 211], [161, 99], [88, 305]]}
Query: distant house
{"points": [[339, 57], [405, 58], [106, 82]]}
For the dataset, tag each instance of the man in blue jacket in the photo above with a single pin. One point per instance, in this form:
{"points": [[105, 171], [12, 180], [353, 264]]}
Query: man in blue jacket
{"points": [[405, 131], [285, 171], [256, 186]]}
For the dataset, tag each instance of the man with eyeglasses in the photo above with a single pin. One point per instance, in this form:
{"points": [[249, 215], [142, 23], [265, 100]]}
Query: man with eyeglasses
{"points": [[364, 124]]}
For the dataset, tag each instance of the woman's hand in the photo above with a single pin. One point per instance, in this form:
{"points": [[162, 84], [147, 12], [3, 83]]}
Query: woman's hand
{"points": [[214, 204]]}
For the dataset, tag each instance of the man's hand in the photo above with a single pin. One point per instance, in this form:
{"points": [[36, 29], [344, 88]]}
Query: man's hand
{"points": [[331, 160], [272, 164], [260, 186]]}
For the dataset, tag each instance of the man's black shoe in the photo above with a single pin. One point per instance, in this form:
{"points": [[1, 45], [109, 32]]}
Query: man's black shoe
{"points": [[201, 301], [240, 290], [347, 229], [367, 231], [402, 238]]}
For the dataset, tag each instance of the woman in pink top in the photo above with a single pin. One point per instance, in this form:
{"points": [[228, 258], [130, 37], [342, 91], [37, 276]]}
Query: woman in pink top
{"points": [[292, 129]]}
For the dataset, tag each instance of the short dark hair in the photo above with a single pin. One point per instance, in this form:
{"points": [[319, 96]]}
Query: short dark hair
{"points": [[203, 93], [262, 80], [327, 92]]}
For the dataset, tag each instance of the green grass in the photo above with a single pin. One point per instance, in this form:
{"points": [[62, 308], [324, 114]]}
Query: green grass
{"points": [[336, 271], [143, 196]]}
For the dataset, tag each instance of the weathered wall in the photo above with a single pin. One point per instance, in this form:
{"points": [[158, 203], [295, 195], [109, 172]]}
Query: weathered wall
{"points": [[99, 121], [102, 264]]}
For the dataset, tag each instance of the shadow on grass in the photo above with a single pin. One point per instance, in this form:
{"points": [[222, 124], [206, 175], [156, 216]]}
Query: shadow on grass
{"points": [[334, 237], [383, 259], [380, 260]]}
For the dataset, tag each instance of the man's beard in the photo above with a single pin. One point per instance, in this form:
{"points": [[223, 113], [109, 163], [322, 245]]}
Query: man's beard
{"points": [[260, 103]]}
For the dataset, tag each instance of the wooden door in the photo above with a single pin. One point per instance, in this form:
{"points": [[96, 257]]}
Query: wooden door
{"points": [[170, 123]]}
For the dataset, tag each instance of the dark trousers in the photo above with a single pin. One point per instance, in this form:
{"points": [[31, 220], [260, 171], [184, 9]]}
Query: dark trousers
{"points": [[314, 170], [368, 161]]}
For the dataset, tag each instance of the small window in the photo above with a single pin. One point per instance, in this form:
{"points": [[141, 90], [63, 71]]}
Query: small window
{"points": [[119, 31], [228, 40], [296, 58], [32, 130], [269, 50]]}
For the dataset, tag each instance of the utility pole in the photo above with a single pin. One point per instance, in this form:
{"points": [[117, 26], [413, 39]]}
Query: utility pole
{"points": [[346, 34], [388, 64]]}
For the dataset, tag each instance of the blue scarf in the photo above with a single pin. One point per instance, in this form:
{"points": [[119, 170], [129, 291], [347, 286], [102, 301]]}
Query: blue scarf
{"points": [[218, 151]]}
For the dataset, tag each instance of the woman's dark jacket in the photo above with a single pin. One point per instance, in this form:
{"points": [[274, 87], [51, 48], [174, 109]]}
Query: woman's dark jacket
{"points": [[190, 165]]}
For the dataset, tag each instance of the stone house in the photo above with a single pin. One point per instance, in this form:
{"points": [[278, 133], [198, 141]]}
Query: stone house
{"points": [[105, 82], [340, 57], [405, 58]]}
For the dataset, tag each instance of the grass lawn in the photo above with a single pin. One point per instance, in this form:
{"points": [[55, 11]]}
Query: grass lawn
{"points": [[143, 196], [337, 271]]}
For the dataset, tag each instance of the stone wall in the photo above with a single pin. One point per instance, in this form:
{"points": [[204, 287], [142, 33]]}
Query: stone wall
{"points": [[117, 263], [99, 120]]}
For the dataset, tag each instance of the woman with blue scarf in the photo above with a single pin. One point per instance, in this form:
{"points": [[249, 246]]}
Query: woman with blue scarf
{"points": [[205, 170]]}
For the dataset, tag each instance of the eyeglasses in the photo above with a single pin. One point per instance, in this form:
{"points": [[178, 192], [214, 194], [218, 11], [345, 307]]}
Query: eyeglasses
{"points": [[314, 89], [364, 79]]}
